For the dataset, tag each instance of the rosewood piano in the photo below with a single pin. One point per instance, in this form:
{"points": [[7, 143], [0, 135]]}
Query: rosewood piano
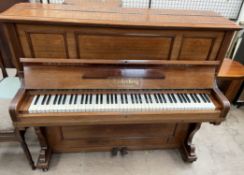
{"points": [[116, 79]]}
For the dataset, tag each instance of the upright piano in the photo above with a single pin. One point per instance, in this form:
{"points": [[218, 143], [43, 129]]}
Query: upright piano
{"points": [[116, 79]]}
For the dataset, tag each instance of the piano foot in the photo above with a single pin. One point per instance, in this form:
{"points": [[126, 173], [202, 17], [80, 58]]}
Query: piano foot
{"points": [[45, 154], [188, 148]]}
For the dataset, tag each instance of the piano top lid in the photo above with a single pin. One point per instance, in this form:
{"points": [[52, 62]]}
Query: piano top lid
{"points": [[117, 16]]}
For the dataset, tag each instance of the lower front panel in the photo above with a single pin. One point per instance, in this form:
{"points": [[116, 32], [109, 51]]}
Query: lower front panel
{"points": [[106, 137]]}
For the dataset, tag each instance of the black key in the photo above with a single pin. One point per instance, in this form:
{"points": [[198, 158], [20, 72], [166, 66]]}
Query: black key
{"points": [[71, 99], [101, 98], [75, 100], [82, 99], [122, 98], [90, 99], [60, 99], [55, 99], [97, 98], [36, 100], [107, 95], [180, 98], [187, 99], [145, 95], [44, 99], [203, 98], [160, 98], [207, 98], [136, 98], [170, 99], [64, 99], [150, 98], [112, 99], [183, 97], [132, 98], [140, 99], [196, 97], [86, 98], [146, 98], [193, 98], [116, 99], [163, 97], [126, 99], [156, 98], [48, 99], [177, 99], [173, 97]]}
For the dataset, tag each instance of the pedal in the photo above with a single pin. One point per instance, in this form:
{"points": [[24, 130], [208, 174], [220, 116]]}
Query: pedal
{"points": [[123, 151], [114, 151]]}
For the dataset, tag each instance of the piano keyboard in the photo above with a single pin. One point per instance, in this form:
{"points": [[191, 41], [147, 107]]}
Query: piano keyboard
{"points": [[120, 102]]}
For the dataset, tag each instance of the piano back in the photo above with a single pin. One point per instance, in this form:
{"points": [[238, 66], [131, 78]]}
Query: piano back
{"points": [[119, 74]]}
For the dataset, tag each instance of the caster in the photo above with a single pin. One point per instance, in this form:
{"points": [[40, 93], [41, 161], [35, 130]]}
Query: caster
{"points": [[123, 151], [114, 152]]}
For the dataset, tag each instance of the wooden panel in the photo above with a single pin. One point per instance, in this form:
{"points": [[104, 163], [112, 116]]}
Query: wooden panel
{"points": [[105, 137], [100, 131], [124, 46], [48, 45], [197, 48], [200, 46], [123, 76]]}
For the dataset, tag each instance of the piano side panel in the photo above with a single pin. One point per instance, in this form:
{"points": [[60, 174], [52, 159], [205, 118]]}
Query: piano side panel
{"points": [[105, 137], [46, 41]]}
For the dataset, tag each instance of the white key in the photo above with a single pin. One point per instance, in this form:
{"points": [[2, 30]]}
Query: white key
{"points": [[191, 105], [163, 104], [201, 104], [49, 106], [82, 106], [178, 105], [38, 105], [32, 106]]}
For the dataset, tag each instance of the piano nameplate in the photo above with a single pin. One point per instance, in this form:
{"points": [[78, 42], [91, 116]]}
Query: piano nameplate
{"points": [[126, 83]]}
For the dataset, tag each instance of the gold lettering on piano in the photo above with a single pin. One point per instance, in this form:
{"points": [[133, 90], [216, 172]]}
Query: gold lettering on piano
{"points": [[126, 83]]}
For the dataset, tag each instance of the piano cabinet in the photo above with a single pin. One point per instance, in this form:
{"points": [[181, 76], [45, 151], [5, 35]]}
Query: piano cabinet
{"points": [[73, 47]]}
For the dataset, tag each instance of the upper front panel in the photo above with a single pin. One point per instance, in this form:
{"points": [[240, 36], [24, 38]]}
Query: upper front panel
{"points": [[45, 41]]}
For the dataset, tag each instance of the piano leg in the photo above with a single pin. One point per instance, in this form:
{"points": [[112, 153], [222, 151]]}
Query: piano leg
{"points": [[45, 153], [188, 148]]}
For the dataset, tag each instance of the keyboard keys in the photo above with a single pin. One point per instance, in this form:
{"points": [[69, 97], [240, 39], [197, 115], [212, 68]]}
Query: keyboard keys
{"points": [[120, 102]]}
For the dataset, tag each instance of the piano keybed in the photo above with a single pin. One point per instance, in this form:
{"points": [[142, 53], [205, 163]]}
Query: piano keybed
{"points": [[119, 101]]}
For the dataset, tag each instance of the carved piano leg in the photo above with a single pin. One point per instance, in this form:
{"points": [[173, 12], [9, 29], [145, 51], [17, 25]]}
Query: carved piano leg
{"points": [[188, 148], [45, 153], [21, 138]]}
